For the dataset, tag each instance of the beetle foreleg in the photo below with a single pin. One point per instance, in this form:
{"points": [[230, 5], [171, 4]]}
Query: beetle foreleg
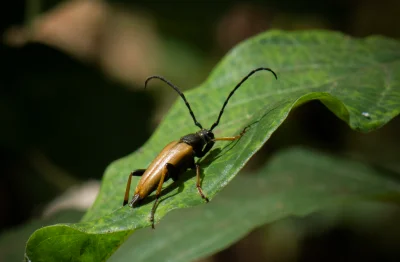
{"points": [[198, 183], [231, 138], [137, 172], [167, 168], [206, 149]]}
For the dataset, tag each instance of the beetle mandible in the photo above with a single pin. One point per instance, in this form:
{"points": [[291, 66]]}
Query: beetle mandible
{"points": [[178, 156]]}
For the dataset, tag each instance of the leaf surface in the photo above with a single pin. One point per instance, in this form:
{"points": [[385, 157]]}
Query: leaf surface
{"points": [[357, 79], [296, 182]]}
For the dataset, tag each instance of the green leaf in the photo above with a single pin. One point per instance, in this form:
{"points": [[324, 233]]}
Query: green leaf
{"points": [[13, 241], [358, 79], [295, 182]]}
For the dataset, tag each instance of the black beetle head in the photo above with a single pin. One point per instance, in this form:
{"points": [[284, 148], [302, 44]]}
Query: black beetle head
{"points": [[205, 135], [201, 141]]}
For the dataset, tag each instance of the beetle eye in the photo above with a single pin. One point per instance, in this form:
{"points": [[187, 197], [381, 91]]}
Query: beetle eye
{"points": [[209, 136]]}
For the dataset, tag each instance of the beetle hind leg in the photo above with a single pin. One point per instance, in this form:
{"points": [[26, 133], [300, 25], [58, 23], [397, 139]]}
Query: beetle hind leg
{"points": [[138, 172], [168, 169]]}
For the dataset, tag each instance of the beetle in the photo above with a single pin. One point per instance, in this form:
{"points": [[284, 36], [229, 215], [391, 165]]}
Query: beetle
{"points": [[178, 156]]}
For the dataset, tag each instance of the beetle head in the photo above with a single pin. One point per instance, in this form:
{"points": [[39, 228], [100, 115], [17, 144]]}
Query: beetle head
{"points": [[206, 135]]}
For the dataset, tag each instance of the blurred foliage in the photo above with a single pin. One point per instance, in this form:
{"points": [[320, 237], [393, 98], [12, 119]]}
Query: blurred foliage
{"points": [[80, 123]]}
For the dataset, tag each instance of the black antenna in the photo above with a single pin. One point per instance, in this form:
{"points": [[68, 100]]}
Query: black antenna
{"points": [[236, 87], [179, 92]]}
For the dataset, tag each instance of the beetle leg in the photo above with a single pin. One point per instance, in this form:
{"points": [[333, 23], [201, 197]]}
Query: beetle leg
{"points": [[173, 173], [166, 170], [205, 150], [231, 138], [198, 183], [137, 172]]}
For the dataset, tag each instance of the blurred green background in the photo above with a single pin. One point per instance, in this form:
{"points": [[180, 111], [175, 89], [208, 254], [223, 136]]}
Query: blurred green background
{"points": [[72, 101]]}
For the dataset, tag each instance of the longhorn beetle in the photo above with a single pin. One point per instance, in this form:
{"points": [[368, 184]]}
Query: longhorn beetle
{"points": [[178, 156]]}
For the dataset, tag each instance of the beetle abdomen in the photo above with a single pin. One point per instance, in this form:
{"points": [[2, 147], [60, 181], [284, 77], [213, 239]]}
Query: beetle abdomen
{"points": [[176, 154], [134, 200]]}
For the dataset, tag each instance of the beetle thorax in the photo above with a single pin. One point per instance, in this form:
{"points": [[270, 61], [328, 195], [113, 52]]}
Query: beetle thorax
{"points": [[198, 140]]}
